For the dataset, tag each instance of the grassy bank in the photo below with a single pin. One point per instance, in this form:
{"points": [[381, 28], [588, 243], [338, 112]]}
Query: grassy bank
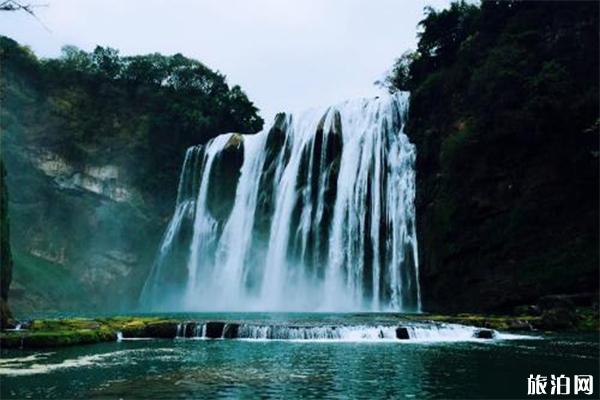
{"points": [[43, 333]]}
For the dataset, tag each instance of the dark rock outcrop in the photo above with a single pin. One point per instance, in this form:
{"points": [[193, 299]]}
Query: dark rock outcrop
{"points": [[230, 331], [402, 333], [484, 334], [214, 330], [275, 147], [224, 177], [190, 329], [163, 330], [6, 262]]}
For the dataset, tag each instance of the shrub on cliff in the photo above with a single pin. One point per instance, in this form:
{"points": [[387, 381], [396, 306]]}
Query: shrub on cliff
{"points": [[504, 113]]}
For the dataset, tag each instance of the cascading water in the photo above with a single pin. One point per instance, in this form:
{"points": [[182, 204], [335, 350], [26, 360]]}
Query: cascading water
{"points": [[405, 331], [315, 213]]}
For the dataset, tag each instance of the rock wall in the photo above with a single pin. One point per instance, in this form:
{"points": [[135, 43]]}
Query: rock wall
{"points": [[6, 263], [83, 236], [93, 155]]}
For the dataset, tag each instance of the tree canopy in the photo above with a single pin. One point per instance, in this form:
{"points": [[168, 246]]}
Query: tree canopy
{"points": [[144, 109], [504, 113]]}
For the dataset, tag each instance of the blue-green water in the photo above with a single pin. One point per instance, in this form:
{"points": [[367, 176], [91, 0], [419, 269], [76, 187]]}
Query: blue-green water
{"points": [[370, 369]]}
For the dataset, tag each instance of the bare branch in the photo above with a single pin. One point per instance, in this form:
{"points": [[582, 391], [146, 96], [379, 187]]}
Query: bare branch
{"points": [[14, 5]]}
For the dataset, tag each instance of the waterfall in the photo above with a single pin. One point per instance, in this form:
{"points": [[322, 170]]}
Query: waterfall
{"points": [[315, 213]]}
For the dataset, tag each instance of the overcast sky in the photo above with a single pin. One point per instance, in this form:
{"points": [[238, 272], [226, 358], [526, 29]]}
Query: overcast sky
{"points": [[285, 54]]}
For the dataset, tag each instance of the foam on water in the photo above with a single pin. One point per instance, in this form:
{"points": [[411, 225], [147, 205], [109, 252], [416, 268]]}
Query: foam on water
{"points": [[31, 365]]}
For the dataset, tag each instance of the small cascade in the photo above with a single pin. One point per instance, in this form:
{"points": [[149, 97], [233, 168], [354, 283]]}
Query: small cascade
{"points": [[185, 330], [119, 336], [441, 332], [341, 333], [315, 213], [344, 333], [19, 326]]}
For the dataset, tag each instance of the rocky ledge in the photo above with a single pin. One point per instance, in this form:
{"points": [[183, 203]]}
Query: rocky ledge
{"points": [[45, 333]]}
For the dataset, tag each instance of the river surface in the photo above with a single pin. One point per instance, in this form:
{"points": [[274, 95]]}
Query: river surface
{"points": [[356, 367]]}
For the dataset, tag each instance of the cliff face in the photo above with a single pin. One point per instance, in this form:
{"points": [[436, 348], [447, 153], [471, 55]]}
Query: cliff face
{"points": [[6, 263], [82, 235], [93, 144], [504, 114]]}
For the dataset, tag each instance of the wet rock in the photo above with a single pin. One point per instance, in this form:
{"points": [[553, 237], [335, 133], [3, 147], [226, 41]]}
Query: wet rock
{"points": [[402, 333], [214, 330], [17, 325], [163, 330], [275, 151], [133, 330], [484, 334], [224, 177], [191, 329], [557, 319], [230, 331], [26, 324], [519, 325]]}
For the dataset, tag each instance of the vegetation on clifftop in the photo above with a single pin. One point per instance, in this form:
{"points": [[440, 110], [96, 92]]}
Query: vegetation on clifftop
{"points": [[504, 114], [100, 106], [93, 143]]}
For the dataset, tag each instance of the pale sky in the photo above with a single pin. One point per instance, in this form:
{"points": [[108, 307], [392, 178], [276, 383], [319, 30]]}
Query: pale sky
{"points": [[285, 54]]}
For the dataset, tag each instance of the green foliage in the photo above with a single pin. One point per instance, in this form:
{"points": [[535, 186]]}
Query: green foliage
{"points": [[55, 338], [141, 110], [504, 114], [41, 333]]}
